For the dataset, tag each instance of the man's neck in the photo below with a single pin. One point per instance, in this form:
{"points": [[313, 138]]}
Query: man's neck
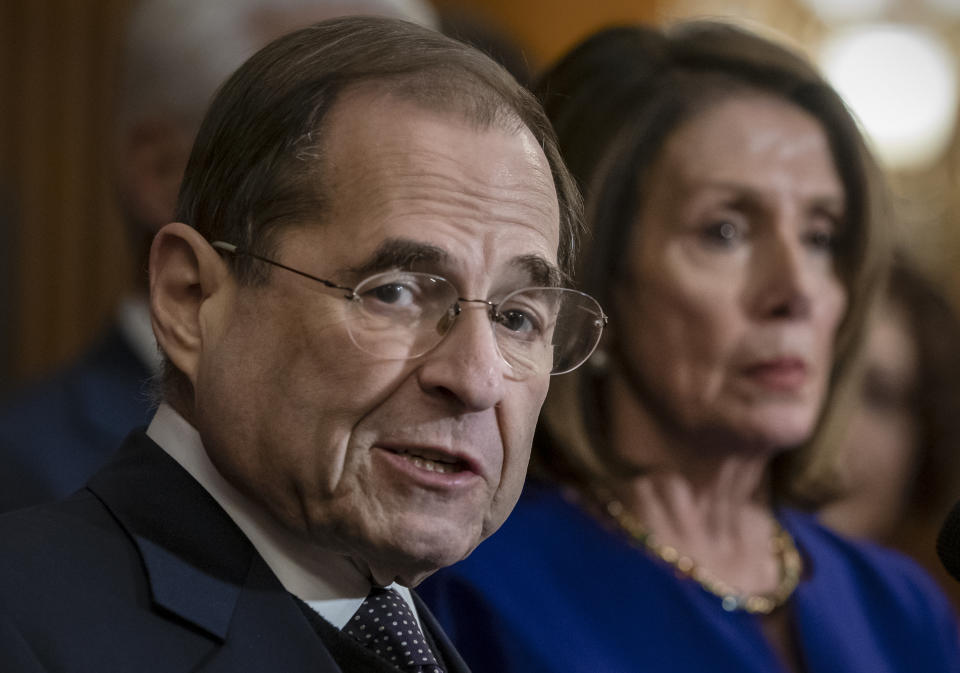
{"points": [[327, 581]]}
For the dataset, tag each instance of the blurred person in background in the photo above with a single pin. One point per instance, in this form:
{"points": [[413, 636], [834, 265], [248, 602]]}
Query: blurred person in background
{"points": [[899, 448], [738, 237], [56, 433]]}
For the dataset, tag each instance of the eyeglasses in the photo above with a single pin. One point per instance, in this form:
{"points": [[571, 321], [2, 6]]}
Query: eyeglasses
{"points": [[400, 315]]}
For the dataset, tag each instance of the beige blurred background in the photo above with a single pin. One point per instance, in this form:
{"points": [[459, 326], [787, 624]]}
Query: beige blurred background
{"points": [[63, 260]]}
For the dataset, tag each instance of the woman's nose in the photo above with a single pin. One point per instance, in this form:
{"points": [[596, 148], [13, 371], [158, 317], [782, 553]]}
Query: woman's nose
{"points": [[783, 277]]}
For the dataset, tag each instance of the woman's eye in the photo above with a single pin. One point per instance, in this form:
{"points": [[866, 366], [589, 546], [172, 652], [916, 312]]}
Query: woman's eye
{"points": [[822, 233], [821, 240], [722, 233], [822, 228]]}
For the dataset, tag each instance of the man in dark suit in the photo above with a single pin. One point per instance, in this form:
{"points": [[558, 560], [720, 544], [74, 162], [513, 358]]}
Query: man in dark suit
{"points": [[359, 311], [55, 433]]}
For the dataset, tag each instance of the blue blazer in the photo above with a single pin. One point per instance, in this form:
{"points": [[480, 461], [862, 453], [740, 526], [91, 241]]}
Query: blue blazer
{"points": [[55, 434], [143, 571], [556, 591]]}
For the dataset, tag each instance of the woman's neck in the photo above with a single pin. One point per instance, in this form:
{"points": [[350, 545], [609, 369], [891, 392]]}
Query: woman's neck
{"points": [[708, 498]]}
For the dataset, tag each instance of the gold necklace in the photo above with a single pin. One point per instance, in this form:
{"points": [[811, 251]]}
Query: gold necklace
{"points": [[731, 598]]}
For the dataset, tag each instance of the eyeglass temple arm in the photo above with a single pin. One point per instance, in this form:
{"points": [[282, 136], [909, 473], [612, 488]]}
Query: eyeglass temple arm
{"points": [[231, 248]]}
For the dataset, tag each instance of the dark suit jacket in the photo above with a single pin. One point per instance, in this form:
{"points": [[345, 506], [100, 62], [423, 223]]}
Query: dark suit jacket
{"points": [[142, 571], [55, 434]]}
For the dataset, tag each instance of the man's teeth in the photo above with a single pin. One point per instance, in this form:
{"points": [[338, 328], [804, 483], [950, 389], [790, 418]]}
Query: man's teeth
{"points": [[430, 465]]}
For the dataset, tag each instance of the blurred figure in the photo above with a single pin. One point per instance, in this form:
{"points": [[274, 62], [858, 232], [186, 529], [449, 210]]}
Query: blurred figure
{"points": [[54, 435], [737, 238], [900, 450]]}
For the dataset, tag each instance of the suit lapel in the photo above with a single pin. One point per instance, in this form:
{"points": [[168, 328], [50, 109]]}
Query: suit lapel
{"points": [[202, 570], [269, 632]]}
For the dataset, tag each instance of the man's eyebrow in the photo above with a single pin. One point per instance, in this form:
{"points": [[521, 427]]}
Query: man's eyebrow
{"points": [[542, 273], [407, 254], [399, 253]]}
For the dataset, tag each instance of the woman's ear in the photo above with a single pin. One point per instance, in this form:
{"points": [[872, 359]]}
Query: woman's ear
{"points": [[185, 270]]}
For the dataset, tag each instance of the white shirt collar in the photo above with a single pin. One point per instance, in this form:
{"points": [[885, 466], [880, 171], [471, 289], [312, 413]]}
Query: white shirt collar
{"points": [[328, 582]]}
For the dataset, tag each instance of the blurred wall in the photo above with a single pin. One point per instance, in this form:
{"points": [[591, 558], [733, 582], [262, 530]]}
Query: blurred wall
{"points": [[70, 263]]}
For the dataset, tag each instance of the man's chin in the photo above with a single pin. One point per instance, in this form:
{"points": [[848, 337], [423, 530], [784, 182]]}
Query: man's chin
{"points": [[411, 564]]}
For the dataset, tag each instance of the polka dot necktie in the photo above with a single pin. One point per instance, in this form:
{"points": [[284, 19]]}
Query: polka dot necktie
{"points": [[385, 625]]}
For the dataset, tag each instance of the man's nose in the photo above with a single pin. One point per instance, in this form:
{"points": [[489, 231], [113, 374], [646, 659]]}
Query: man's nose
{"points": [[467, 364]]}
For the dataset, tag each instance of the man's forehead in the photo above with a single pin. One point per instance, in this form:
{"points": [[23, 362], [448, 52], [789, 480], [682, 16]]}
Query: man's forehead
{"points": [[400, 171], [379, 115]]}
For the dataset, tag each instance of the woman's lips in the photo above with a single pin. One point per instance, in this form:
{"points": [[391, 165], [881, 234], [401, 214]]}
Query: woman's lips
{"points": [[785, 374]]}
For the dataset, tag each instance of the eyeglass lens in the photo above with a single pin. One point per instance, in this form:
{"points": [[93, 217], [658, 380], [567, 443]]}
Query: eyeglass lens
{"points": [[401, 315]]}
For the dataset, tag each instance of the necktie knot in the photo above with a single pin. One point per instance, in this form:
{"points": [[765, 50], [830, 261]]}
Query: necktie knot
{"points": [[386, 625]]}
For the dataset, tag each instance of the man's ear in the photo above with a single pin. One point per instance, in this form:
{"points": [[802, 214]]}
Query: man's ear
{"points": [[185, 271]]}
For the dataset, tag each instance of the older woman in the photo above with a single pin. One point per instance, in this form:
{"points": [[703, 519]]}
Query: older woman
{"points": [[736, 241]]}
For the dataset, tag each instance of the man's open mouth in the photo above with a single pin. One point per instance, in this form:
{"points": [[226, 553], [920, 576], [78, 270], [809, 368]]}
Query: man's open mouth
{"points": [[431, 461]]}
